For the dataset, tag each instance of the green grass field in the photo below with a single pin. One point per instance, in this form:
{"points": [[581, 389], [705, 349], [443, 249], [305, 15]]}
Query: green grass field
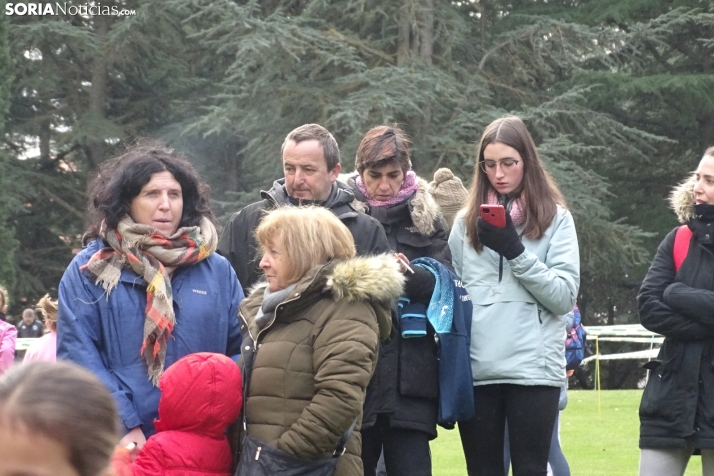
{"points": [[593, 445]]}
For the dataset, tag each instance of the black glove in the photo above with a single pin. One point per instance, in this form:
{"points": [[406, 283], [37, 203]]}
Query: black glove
{"points": [[504, 241]]}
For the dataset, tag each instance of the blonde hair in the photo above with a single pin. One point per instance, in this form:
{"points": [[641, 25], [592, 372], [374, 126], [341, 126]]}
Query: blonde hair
{"points": [[48, 309], [308, 235], [3, 297]]}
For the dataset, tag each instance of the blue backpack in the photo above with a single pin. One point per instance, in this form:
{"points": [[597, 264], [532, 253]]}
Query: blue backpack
{"points": [[575, 342]]}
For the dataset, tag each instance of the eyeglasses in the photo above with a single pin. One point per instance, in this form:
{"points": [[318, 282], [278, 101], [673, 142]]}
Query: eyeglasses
{"points": [[489, 166]]}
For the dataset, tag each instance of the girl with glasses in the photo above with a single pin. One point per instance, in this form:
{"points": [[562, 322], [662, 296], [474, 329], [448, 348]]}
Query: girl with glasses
{"points": [[523, 279]]}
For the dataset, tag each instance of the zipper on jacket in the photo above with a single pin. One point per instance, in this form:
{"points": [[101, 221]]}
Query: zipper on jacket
{"points": [[257, 453], [539, 318]]}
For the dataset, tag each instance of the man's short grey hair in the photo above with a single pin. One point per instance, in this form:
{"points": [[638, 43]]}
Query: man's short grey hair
{"points": [[330, 149]]}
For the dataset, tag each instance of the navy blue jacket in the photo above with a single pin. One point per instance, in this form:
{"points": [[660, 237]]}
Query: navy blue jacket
{"points": [[105, 334]]}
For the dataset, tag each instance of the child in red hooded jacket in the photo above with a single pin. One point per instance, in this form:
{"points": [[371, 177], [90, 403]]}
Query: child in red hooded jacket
{"points": [[201, 394]]}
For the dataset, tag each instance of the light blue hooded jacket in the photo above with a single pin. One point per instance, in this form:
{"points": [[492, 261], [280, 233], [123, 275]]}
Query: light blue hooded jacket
{"points": [[519, 324]]}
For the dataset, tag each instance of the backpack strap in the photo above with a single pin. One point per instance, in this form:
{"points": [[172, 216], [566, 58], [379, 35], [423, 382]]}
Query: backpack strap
{"points": [[681, 245]]}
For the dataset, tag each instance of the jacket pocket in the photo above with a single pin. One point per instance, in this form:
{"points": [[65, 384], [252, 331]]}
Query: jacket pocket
{"points": [[662, 399], [419, 367]]}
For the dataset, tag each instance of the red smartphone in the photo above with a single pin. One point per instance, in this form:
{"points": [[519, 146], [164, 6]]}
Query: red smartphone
{"points": [[494, 214]]}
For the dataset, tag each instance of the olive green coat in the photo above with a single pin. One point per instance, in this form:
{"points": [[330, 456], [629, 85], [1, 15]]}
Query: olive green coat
{"points": [[314, 360]]}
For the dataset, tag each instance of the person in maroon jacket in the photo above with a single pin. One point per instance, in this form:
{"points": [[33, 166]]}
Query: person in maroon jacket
{"points": [[201, 394]]}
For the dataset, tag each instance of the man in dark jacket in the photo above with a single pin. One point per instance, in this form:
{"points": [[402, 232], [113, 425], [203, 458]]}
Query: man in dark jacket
{"points": [[30, 325], [311, 162]]}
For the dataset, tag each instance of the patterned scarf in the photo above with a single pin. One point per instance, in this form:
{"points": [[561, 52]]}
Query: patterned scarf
{"points": [[409, 186], [153, 256], [517, 207]]}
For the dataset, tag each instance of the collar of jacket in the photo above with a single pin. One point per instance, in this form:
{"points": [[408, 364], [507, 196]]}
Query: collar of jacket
{"points": [[374, 279], [339, 201], [681, 199], [423, 209]]}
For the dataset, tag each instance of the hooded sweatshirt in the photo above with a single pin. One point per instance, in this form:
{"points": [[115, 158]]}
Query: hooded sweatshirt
{"points": [[201, 395]]}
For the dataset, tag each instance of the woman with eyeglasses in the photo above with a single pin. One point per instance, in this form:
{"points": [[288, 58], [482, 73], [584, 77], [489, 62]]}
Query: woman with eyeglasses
{"points": [[523, 279]]}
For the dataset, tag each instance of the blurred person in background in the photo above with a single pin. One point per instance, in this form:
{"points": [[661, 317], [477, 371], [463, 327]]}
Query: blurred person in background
{"points": [[57, 419], [45, 348], [30, 326], [8, 335]]}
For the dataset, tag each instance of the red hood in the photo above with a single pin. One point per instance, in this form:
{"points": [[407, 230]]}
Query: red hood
{"points": [[200, 393]]}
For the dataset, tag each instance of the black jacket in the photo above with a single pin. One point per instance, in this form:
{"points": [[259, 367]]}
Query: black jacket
{"points": [[677, 406], [405, 383], [36, 329], [237, 242]]}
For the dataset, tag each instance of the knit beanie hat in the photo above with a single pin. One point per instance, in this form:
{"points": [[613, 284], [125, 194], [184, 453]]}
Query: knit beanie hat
{"points": [[449, 193]]}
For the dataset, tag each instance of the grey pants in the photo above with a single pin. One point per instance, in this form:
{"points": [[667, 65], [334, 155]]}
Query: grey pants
{"points": [[672, 462]]}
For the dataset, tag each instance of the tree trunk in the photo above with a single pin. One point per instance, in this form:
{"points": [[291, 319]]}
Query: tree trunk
{"points": [[405, 28], [45, 141], [426, 36], [98, 94], [708, 136], [426, 32]]}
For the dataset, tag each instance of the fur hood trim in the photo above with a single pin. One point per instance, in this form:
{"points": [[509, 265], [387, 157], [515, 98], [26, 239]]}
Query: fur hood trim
{"points": [[362, 278], [424, 209], [681, 200], [372, 278]]}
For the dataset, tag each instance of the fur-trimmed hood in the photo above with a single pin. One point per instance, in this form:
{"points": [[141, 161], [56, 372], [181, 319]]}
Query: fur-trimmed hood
{"points": [[423, 208], [369, 278], [681, 200], [372, 279]]}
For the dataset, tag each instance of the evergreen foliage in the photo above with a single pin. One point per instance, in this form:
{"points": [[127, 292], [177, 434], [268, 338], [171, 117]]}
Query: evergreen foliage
{"points": [[8, 243], [612, 91]]}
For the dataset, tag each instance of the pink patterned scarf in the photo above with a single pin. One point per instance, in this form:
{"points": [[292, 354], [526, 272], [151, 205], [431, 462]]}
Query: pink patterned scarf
{"points": [[409, 186], [518, 208]]}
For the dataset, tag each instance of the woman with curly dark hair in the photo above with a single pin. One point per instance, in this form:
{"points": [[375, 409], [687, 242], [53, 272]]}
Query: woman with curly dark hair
{"points": [[147, 288]]}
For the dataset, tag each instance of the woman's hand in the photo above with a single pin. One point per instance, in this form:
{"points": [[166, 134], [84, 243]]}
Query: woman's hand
{"points": [[135, 435], [504, 241], [403, 263]]}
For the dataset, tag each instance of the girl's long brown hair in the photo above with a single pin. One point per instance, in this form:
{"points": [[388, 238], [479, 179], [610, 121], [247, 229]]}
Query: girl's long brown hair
{"points": [[538, 188]]}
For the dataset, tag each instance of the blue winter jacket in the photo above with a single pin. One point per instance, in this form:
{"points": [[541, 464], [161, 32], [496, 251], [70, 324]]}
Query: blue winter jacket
{"points": [[105, 334]]}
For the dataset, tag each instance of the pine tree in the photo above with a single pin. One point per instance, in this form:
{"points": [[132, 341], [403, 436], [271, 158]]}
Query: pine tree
{"points": [[8, 243], [444, 70], [83, 87]]}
